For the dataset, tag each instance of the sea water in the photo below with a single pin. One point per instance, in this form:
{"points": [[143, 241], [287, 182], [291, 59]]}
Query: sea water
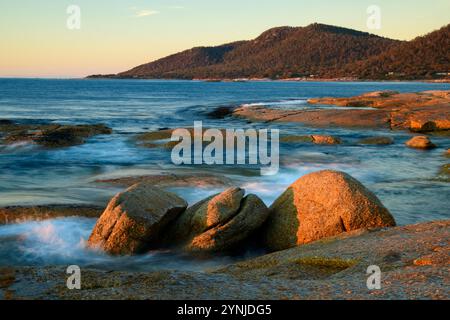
{"points": [[404, 179]]}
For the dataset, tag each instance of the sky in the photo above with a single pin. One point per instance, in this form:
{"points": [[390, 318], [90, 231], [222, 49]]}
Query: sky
{"points": [[116, 35]]}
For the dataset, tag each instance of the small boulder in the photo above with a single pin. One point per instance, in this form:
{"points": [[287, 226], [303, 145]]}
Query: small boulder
{"points": [[376, 141], [217, 223], [320, 205], [420, 142], [324, 139], [206, 214], [135, 219], [226, 236]]}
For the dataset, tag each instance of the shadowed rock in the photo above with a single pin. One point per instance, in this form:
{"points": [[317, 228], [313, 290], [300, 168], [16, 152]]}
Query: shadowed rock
{"points": [[217, 223], [376, 141], [221, 112], [50, 135], [205, 214], [316, 139], [162, 138], [323, 204], [65, 136], [134, 220], [252, 214]]}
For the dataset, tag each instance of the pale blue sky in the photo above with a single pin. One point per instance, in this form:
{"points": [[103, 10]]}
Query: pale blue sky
{"points": [[117, 34]]}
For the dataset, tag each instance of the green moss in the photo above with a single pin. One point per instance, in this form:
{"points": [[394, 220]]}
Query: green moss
{"points": [[296, 139]]}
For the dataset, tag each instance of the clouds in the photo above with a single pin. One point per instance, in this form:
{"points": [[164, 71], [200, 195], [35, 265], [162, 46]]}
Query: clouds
{"points": [[141, 13], [145, 13]]}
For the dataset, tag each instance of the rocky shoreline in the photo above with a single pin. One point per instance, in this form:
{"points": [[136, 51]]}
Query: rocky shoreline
{"points": [[320, 235], [414, 263], [49, 135], [423, 112]]}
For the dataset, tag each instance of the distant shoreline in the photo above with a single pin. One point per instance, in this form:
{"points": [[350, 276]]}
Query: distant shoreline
{"points": [[275, 80], [253, 80]]}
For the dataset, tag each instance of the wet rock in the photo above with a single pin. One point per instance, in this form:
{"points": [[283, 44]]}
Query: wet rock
{"points": [[65, 136], [51, 135], [161, 138], [218, 223], [320, 205], [376, 141], [163, 180], [445, 169], [17, 214], [324, 139], [221, 112], [381, 94], [316, 139], [155, 135], [135, 219], [5, 122], [296, 139], [420, 142]]}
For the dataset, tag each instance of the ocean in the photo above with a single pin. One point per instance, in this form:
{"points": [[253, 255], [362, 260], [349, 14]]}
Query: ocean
{"points": [[404, 179]]}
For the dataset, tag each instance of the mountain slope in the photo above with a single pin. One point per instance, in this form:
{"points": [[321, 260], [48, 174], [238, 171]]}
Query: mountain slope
{"points": [[320, 50], [420, 58], [176, 63]]}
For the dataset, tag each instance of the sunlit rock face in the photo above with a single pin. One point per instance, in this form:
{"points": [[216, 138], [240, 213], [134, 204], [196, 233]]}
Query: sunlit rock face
{"points": [[420, 142], [320, 205], [134, 219]]}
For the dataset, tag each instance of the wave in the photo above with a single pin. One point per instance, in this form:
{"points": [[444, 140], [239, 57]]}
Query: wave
{"points": [[62, 241], [281, 103]]}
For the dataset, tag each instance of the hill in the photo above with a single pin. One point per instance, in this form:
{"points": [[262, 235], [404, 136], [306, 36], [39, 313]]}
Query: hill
{"points": [[318, 50], [421, 58]]}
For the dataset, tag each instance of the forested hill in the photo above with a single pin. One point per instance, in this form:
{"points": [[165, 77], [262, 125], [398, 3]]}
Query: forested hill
{"points": [[318, 50]]}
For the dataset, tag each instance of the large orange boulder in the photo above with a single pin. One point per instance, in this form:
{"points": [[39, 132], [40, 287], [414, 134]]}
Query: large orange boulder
{"points": [[320, 205], [135, 219]]}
